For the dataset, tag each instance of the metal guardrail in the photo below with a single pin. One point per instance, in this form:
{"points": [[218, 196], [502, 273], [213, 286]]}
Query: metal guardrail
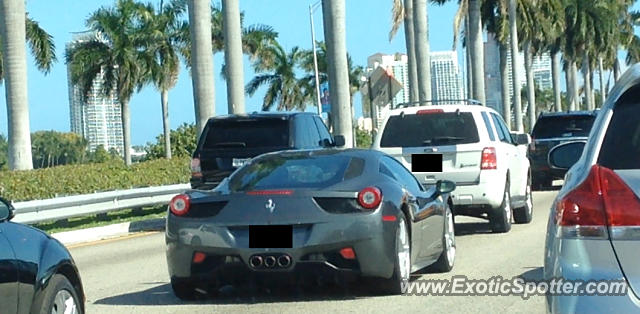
{"points": [[96, 203]]}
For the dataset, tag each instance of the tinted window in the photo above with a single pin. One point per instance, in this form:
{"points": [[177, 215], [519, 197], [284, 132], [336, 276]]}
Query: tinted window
{"points": [[402, 175], [306, 133], [562, 126], [247, 133], [444, 128], [500, 125], [313, 131], [621, 144], [324, 133], [501, 134], [295, 170], [487, 124]]}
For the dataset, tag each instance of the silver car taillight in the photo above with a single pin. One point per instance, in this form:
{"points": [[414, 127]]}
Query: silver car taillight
{"points": [[602, 201]]}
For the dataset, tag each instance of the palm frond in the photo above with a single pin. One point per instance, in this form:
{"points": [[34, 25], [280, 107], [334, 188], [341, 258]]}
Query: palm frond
{"points": [[397, 17], [41, 45]]}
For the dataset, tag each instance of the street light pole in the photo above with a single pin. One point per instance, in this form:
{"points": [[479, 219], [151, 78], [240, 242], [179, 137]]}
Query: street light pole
{"points": [[315, 56]]}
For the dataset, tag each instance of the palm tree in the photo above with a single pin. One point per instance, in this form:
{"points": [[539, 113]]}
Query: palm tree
{"points": [[15, 26], [163, 41], [114, 56], [277, 71], [421, 44], [199, 40], [334, 30], [233, 56], [402, 12]]}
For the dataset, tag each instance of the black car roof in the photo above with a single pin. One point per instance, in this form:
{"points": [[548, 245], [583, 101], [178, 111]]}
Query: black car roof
{"points": [[262, 114], [570, 113]]}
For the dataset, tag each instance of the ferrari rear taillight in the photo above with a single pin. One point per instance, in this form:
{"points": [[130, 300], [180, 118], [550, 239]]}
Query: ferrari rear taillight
{"points": [[370, 197], [602, 200], [180, 204], [196, 170], [489, 159]]}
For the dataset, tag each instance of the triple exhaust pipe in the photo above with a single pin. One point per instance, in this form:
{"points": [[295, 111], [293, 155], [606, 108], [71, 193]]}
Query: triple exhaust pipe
{"points": [[270, 261]]}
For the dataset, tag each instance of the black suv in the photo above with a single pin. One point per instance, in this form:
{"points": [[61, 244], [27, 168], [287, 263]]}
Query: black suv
{"points": [[551, 129], [228, 142]]}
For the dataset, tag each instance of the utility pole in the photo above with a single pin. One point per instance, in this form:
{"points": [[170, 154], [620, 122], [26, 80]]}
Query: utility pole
{"points": [[315, 57]]}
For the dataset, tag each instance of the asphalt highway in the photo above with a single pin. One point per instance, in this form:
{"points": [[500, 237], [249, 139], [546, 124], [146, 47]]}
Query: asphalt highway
{"points": [[129, 275]]}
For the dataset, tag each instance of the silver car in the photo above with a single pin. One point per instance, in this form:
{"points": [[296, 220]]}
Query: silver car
{"points": [[593, 232]]}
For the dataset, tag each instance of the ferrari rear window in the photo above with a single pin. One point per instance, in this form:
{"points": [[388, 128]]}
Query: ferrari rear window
{"points": [[295, 170]]}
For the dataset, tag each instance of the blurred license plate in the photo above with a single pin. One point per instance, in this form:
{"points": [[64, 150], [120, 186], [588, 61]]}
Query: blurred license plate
{"points": [[279, 236], [426, 162], [239, 162]]}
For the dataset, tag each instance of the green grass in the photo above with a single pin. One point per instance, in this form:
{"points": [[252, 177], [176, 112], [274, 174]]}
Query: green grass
{"points": [[126, 215]]}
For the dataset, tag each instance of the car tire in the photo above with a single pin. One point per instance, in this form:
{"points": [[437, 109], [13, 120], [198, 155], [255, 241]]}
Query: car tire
{"points": [[524, 214], [402, 260], [184, 289], [501, 217], [59, 296], [446, 260]]}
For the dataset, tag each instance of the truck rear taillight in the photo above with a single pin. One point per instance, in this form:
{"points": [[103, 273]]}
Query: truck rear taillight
{"points": [[489, 160]]}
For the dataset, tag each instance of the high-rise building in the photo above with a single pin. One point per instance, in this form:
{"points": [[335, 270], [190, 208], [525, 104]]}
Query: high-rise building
{"points": [[541, 68], [98, 119], [446, 81]]}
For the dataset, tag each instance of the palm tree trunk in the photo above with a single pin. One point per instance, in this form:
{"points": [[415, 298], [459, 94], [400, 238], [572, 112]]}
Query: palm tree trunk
{"points": [[423, 64], [603, 92], [477, 50], [616, 70], [126, 130], [504, 80], [468, 60], [568, 74], [233, 56], [334, 10], [202, 60], [514, 65], [12, 36], [575, 89], [411, 53], [587, 82], [531, 89], [165, 123], [555, 75]]}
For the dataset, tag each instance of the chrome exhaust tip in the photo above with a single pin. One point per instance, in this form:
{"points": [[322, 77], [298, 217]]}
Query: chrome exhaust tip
{"points": [[284, 261], [270, 261], [255, 261]]}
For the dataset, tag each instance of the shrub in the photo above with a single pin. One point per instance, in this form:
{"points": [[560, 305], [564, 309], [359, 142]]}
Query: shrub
{"points": [[89, 178]]}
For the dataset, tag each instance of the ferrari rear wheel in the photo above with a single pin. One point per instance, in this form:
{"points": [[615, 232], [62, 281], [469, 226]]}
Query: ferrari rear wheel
{"points": [[184, 289], [402, 263]]}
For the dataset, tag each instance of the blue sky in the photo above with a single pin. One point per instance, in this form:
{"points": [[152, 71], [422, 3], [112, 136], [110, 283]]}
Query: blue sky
{"points": [[368, 24]]}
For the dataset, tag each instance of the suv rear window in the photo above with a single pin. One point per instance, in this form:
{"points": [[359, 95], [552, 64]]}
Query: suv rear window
{"points": [[296, 170], [562, 126], [442, 128], [247, 133]]}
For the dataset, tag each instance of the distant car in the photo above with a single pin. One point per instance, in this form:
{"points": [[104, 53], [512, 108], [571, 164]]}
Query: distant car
{"points": [[312, 212], [470, 145], [228, 142], [551, 129], [37, 273], [593, 229]]}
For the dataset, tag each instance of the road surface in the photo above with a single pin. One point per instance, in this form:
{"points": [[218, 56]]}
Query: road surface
{"points": [[130, 276]]}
